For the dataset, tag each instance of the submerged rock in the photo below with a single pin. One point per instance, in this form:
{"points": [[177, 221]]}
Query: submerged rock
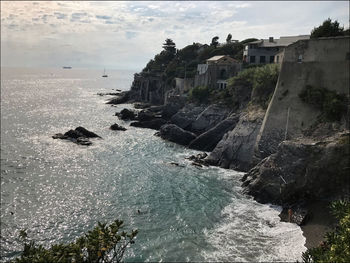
{"points": [[173, 133]]}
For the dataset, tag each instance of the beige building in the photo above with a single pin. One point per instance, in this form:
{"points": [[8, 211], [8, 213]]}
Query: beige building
{"points": [[216, 71]]}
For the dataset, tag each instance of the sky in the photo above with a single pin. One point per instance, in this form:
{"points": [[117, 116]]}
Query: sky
{"points": [[127, 34]]}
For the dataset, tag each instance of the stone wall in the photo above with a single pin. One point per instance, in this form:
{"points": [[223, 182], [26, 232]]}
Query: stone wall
{"points": [[320, 62]]}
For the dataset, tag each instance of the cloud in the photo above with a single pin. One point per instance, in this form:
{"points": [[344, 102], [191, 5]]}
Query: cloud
{"points": [[103, 17], [60, 15], [130, 35]]}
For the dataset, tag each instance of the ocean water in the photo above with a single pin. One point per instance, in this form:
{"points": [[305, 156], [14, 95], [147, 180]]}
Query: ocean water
{"points": [[59, 190]]}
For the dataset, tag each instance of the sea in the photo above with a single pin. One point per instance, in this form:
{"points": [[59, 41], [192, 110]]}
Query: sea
{"points": [[58, 190]]}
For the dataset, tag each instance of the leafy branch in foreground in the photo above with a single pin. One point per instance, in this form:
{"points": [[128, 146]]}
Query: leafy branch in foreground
{"points": [[336, 248], [105, 244]]}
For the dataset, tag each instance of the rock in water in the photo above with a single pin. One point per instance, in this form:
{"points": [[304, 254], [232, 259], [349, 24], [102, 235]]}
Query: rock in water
{"points": [[126, 114], [175, 134], [79, 136], [86, 133], [152, 124], [116, 127]]}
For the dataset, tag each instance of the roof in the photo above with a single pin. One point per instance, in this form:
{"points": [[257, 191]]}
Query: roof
{"points": [[216, 59], [279, 42]]}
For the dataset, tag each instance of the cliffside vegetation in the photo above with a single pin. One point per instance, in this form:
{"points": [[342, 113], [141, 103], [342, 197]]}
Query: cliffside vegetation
{"points": [[336, 248], [172, 62], [105, 244], [332, 105], [252, 85]]}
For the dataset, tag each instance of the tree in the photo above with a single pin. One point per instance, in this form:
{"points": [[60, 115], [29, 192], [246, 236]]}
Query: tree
{"points": [[228, 39], [103, 244], [214, 41], [327, 29], [169, 46]]}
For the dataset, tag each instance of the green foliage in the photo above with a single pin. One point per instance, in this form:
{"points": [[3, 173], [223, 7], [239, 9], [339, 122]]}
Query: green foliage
{"points": [[336, 248], [169, 46], [327, 29], [102, 244], [214, 41], [199, 94], [228, 38], [332, 105], [261, 81]]}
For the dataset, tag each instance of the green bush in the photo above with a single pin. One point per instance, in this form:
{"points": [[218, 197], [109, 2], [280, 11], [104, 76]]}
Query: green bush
{"points": [[332, 105], [199, 94], [102, 244], [260, 82], [336, 248]]}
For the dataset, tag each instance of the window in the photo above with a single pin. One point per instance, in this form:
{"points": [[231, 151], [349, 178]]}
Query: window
{"points": [[262, 59], [252, 59], [278, 59], [272, 59], [300, 58]]}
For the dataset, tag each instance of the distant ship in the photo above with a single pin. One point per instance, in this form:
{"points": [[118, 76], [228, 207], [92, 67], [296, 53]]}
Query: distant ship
{"points": [[67, 67], [104, 74]]}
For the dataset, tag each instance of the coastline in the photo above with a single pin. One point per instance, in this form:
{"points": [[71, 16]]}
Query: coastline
{"points": [[321, 221]]}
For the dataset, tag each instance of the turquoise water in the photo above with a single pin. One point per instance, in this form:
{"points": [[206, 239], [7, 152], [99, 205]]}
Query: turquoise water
{"points": [[58, 190]]}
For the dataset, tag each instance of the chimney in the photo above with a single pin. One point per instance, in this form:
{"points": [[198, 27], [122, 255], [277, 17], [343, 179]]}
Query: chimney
{"points": [[270, 39]]}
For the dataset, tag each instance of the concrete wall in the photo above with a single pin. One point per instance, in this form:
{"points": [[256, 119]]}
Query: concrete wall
{"points": [[184, 85], [324, 63]]}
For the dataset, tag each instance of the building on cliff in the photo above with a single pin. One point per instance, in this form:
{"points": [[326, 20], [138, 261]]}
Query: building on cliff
{"points": [[319, 63], [268, 50], [216, 71]]}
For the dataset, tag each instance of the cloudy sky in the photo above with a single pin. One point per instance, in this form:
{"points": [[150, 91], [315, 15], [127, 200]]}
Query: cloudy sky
{"points": [[126, 35]]}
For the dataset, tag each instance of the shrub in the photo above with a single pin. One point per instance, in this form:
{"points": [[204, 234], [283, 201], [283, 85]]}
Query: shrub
{"points": [[199, 94], [102, 244], [336, 248], [260, 82], [328, 29], [332, 105]]}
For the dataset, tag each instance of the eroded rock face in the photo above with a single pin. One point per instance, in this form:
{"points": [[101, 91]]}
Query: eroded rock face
{"points": [[122, 97], [236, 148], [300, 171], [174, 133], [209, 139], [208, 118], [186, 116]]}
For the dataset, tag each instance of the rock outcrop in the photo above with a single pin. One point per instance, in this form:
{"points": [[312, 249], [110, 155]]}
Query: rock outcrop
{"points": [[126, 114], [208, 118], [301, 170], [186, 116], [209, 139], [173, 133], [236, 148], [154, 124]]}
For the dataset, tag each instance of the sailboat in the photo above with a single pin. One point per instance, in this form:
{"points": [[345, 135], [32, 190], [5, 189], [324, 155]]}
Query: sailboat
{"points": [[104, 74]]}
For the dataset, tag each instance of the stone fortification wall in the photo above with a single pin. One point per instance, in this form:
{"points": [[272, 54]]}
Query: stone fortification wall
{"points": [[323, 63]]}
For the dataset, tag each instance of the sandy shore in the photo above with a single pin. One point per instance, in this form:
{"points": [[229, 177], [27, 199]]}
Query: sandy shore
{"points": [[320, 222]]}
